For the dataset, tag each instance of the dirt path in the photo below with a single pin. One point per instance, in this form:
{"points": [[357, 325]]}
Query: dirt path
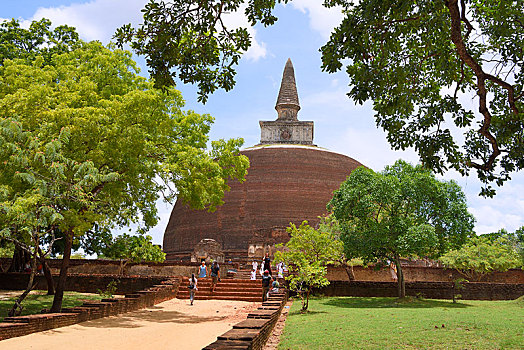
{"points": [[173, 324]]}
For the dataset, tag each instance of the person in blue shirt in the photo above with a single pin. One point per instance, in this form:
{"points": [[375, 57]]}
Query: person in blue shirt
{"points": [[202, 270]]}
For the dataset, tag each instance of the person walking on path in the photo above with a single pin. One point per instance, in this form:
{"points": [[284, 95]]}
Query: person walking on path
{"points": [[254, 275], [192, 287], [215, 275], [266, 284], [202, 270], [267, 263], [254, 264]]}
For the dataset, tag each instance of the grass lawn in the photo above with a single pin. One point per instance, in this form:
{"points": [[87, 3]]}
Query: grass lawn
{"points": [[386, 323], [38, 300]]}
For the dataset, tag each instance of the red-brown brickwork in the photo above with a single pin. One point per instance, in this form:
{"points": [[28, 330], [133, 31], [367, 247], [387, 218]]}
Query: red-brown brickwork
{"points": [[22, 325], [253, 332], [283, 185], [430, 290]]}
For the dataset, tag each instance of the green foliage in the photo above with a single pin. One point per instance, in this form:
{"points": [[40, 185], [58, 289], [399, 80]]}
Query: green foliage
{"points": [[38, 40], [87, 140], [514, 240], [110, 289], [306, 254], [417, 59], [480, 256], [133, 248], [189, 41], [403, 211], [6, 249]]}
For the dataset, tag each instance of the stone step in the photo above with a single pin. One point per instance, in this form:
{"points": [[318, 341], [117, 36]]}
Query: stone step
{"points": [[231, 294], [217, 297]]}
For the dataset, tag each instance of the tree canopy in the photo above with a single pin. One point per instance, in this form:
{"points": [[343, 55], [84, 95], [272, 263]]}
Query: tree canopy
{"points": [[482, 255], [417, 61], [403, 211], [85, 140]]}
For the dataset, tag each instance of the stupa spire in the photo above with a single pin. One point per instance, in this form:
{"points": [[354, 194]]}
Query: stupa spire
{"points": [[287, 102]]}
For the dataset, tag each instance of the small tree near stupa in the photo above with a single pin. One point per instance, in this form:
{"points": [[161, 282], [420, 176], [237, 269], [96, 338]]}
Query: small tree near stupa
{"points": [[307, 255], [403, 211]]}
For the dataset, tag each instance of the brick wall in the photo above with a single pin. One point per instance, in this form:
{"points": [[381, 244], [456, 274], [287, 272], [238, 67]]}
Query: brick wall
{"points": [[430, 290], [252, 333], [23, 325], [420, 273], [82, 283]]}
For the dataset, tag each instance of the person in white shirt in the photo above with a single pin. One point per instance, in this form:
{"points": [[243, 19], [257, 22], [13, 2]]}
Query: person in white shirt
{"points": [[253, 274]]}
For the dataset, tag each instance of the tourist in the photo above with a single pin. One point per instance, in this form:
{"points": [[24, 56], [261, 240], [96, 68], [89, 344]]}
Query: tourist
{"points": [[192, 287], [255, 265], [274, 286], [215, 275], [253, 275], [262, 268], [393, 270], [266, 282], [280, 269], [267, 263], [202, 270]]}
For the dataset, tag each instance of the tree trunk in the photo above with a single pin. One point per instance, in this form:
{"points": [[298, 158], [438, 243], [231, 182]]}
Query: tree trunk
{"points": [[306, 305], [30, 285], [59, 293], [48, 278], [47, 273], [349, 271], [401, 285], [20, 258]]}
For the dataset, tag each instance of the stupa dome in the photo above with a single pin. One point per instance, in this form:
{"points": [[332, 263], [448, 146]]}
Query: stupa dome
{"points": [[289, 180]]}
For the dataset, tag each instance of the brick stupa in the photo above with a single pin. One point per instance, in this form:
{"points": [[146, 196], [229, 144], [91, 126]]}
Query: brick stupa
{"points": [[289, 180]]}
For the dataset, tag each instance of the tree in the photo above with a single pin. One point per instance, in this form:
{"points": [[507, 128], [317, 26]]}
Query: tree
{"points": [[102, 143], [307, 254], [514, 240], [126, 248], [38, 40], [481, 256], [27, 44], [414, 59], [404, 211]]}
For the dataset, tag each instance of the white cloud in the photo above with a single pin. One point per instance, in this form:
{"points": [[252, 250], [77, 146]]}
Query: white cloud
{"points": [[99, 19], [321, 19], [95, 20], [238, 19]]}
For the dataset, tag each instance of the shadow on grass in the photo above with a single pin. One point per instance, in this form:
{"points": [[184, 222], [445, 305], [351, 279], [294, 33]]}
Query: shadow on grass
{"points": [[408, 303], [298, 312]]}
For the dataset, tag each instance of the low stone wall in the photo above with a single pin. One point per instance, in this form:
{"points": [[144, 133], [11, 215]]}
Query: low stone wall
{"points": [[23, 325], [252, 333], [420, 273], [334, 273], [81, 282], [430, 290]]}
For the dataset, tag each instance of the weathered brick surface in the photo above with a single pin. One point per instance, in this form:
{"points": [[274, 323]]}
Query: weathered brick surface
{"points": [[90, 310], [81, 282], [420, 273], [283, 185], [253, 332], [430, 290]]}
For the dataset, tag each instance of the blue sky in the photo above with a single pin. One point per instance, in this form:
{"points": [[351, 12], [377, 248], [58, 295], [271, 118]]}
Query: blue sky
{"points": [[340, 125]]}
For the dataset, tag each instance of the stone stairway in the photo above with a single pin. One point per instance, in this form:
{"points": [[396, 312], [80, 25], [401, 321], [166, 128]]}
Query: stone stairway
{"points": [[226, 289]]}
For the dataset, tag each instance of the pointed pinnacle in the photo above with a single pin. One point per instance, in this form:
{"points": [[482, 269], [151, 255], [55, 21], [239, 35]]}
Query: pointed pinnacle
{"points": [[288, 96]]}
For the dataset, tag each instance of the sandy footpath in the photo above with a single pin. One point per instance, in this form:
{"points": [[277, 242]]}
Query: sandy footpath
{"points": [[173, 324]]}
